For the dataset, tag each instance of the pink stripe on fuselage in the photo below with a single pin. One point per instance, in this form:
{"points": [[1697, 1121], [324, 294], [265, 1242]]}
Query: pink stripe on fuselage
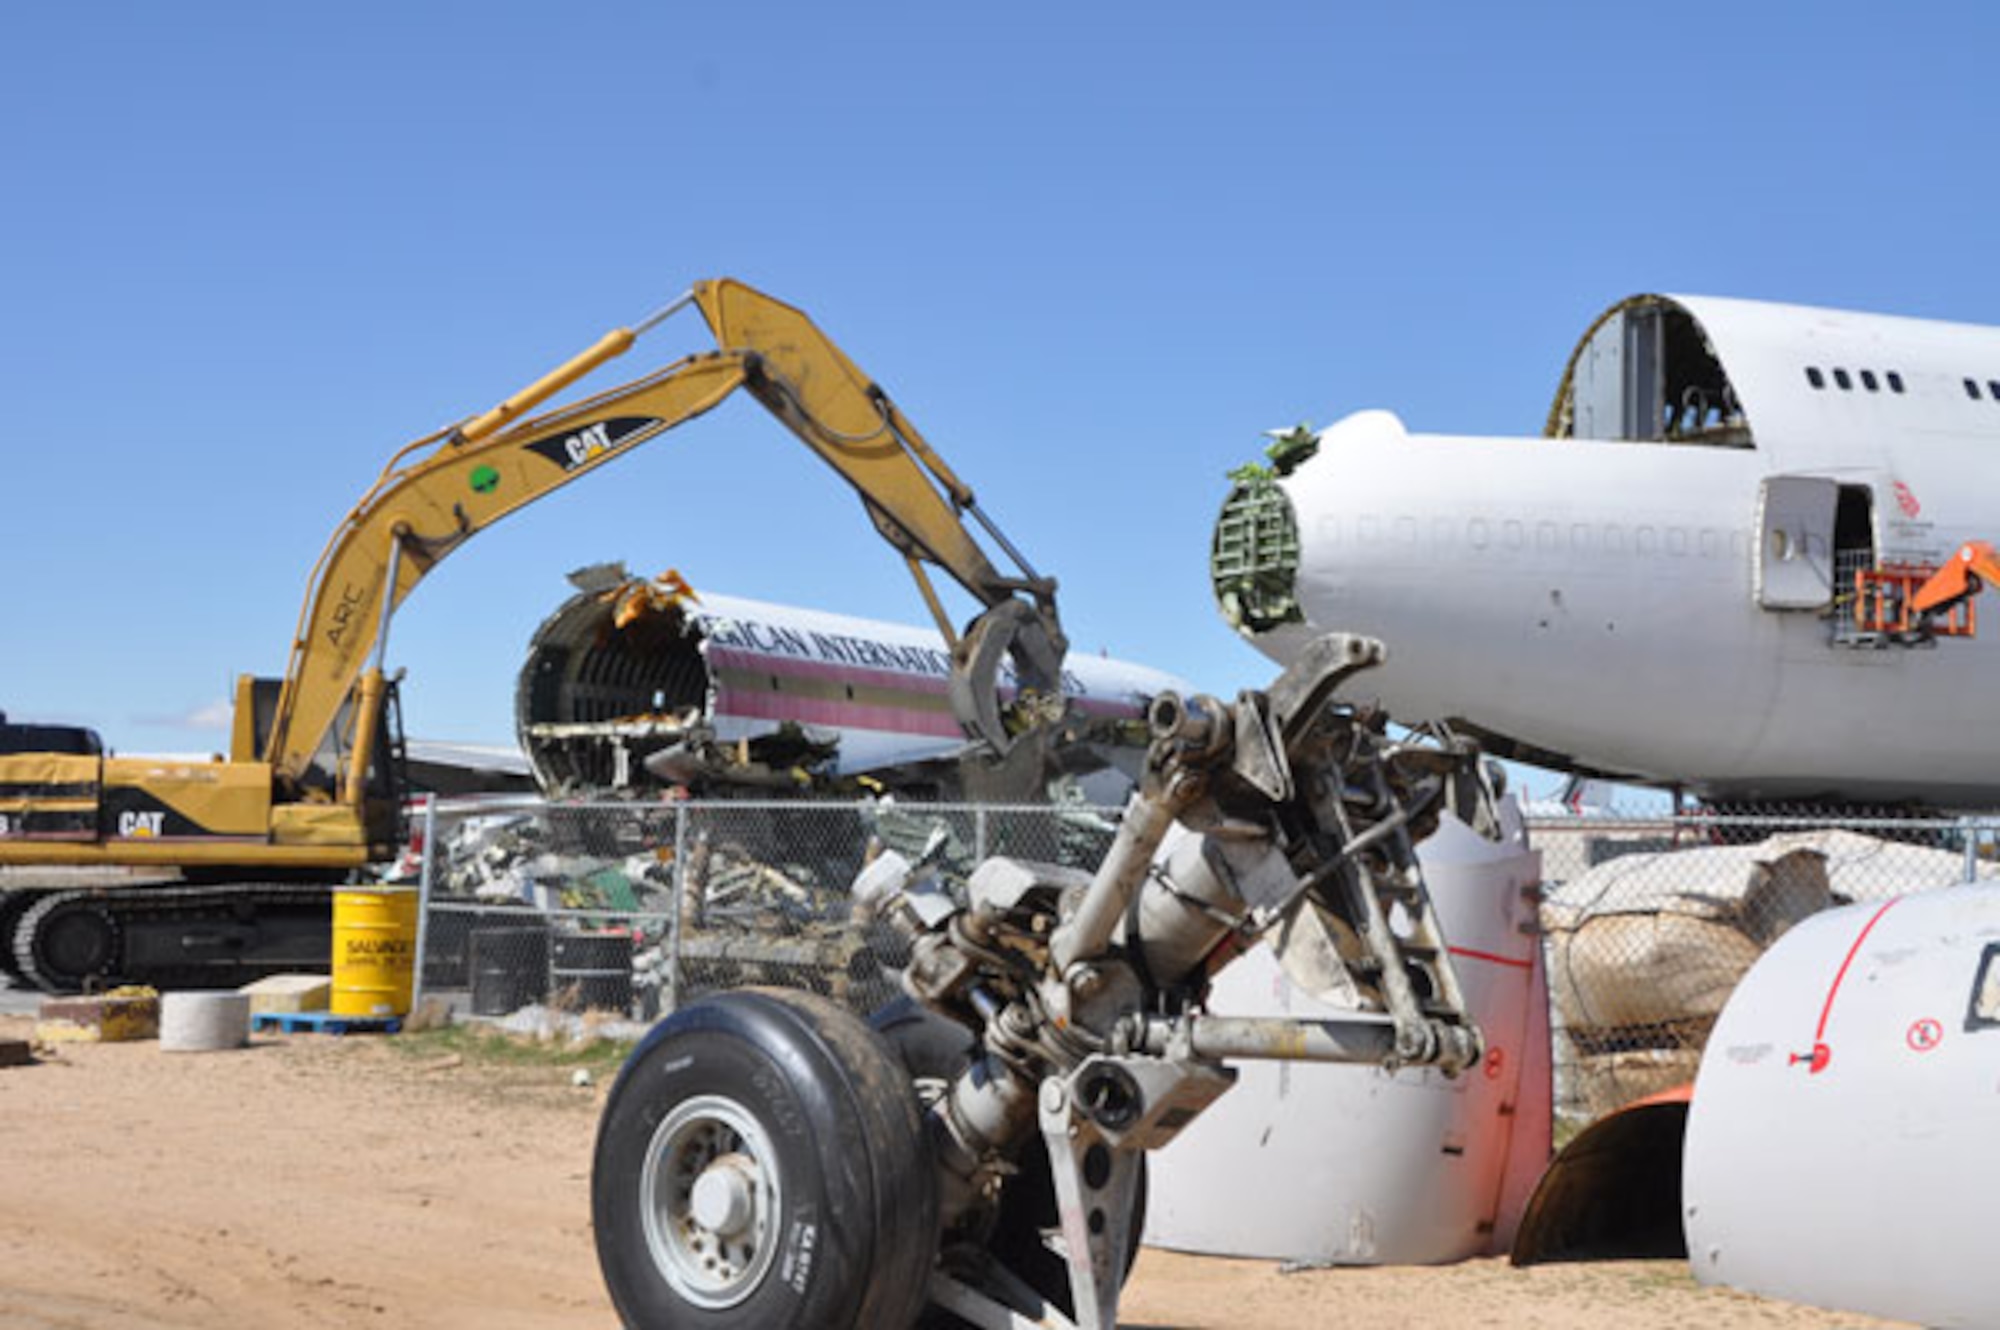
{"points": [[833, 714], [734, 658]]}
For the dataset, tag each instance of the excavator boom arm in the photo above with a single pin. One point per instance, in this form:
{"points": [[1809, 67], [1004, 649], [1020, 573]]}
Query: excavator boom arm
{"points": [[441, 490]]}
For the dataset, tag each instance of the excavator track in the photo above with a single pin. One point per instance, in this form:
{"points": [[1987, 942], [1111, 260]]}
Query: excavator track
{"points": [[208, 936], [13, 904]]}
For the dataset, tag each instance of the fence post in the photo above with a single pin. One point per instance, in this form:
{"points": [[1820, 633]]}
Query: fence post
{"points": [[671, 999], [424, 898], [979, 834], [1969, 830]]}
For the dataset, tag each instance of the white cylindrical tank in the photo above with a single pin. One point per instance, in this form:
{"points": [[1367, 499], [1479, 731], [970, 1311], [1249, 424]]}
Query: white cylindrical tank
{"points": [[1843, 1148], [204, 1022], [1351, 1165]]}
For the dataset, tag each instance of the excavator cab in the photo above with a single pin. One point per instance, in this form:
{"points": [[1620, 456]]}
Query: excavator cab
{"points": [[71, 740], [386, 784]]}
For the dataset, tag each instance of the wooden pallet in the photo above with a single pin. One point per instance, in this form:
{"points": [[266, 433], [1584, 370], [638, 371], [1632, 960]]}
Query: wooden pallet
{"points": [[324, 1022]]}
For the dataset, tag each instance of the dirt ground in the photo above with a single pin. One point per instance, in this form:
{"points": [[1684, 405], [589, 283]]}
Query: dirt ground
{"points": [[312, 1181]]}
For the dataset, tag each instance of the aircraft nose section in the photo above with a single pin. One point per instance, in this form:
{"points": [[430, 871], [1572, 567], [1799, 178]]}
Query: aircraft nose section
{"points": [[1253, 560], [1255, 554]]}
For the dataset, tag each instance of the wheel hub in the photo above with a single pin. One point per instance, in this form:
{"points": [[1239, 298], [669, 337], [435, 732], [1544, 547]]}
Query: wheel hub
{"points": [[712, 1197], [724, 1199]]}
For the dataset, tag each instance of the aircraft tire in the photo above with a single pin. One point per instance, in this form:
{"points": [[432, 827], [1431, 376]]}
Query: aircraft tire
{"points": [[762, 1162]]}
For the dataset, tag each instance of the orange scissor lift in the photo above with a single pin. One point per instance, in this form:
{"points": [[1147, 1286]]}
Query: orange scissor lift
{"points": [[1909, 602]]}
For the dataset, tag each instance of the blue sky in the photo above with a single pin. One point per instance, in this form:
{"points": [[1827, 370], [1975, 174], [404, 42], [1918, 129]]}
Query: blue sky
{"points": [[250, 249]]}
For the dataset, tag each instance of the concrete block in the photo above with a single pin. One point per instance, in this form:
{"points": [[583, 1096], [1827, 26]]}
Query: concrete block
{"points": [[116, 1017], [286, 994]]}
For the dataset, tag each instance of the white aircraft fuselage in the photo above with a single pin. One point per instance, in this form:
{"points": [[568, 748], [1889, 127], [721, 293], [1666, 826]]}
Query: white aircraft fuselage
{"points": [[876, 687], [626, 667], [1662, 587]]}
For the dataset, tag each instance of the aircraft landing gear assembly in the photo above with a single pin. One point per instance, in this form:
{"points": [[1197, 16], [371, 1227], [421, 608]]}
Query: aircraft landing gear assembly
{"points": [[768, 1160]]}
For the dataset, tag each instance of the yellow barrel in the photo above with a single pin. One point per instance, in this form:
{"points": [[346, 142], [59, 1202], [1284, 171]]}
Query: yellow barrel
{"points": [[374, 952]]}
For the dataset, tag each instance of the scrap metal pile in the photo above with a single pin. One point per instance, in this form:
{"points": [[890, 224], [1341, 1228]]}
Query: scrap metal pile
{"points": [[762, 896]]}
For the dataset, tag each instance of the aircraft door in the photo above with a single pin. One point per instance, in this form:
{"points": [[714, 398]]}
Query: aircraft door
{"points": [[1796, 518]]}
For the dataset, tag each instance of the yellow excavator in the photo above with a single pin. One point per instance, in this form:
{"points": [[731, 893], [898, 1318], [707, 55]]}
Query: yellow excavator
{"points": [[184, 873]]}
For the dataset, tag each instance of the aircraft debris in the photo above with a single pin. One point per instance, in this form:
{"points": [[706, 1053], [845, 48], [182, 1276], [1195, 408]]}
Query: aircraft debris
{"points": [[1645, 949], [637, 686], [1613, 1193], [1839, 1144]]}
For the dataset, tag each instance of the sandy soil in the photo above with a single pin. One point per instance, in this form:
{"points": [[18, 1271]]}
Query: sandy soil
{"points": [[310, 1181]]}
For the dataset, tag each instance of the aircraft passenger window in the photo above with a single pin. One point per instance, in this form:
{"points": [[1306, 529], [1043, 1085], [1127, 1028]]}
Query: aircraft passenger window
{"points": [[1868, 379], [1677, 541], [1711, 542], [1840, 377], [1477, 534], [1993, 387], [1814, 377], [1579, 538], [1984, 1011], [1895, 382], [1972, 389], [1511, 535], [1644, 541]]}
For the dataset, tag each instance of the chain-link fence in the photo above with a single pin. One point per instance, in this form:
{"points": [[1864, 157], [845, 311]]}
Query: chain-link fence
{"points": [[630, 909], [1649, 923]]}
